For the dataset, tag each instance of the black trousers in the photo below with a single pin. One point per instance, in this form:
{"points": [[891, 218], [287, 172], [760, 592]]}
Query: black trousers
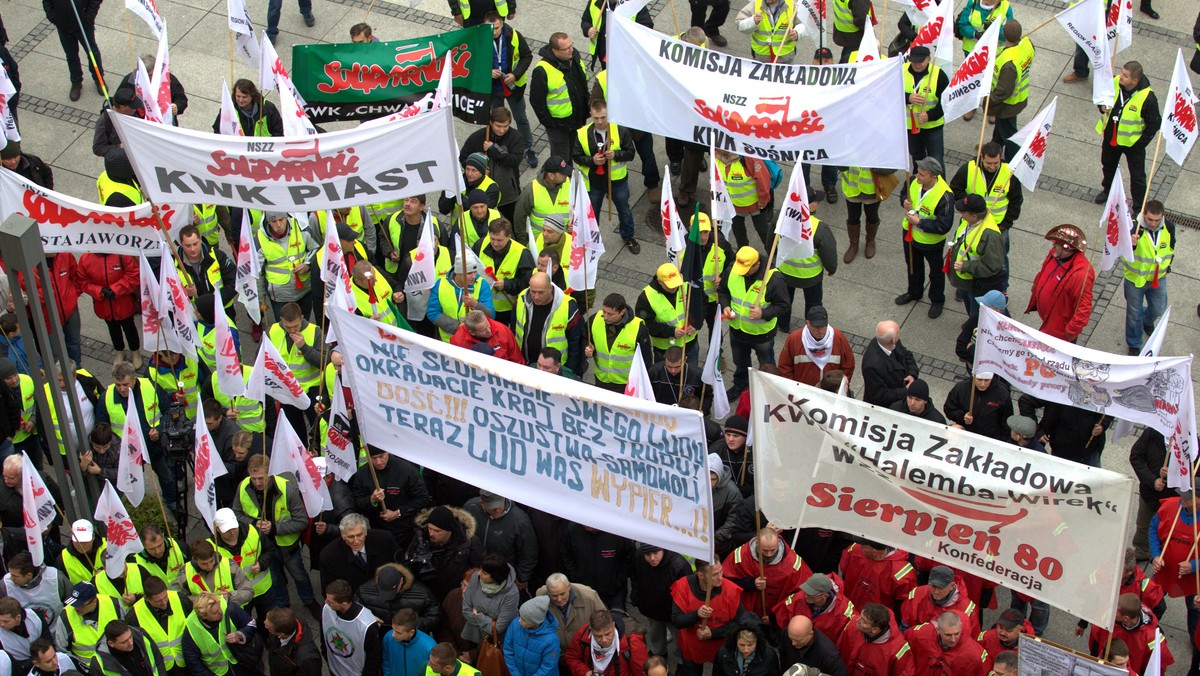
{"points": [[920, 257], [1135, 164], [716, 19]]}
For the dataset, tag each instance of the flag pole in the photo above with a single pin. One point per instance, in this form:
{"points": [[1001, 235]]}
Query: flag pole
{"points": [[608, 172], [162, 505], [91, 55], [1041, 25], [368, 12], [1149, 180], [675, 17], [770, 259], [231, 56], [987, 102]]}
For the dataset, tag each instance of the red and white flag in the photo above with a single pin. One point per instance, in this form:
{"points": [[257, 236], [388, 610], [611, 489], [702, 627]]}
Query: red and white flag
{"points": [[919, 11], [1027, 164], [811, 14], [291, 109], [248, 270], [868, 48], [638, 384], [131, 477], [7, 93], [228, 122], [587, 246], [272, 376], [333, 259], [152, 314], [1119, 21], [712, 369], [176, 309], [1151, 348], [423, 272], [443, 96], [208, 466], [119, 532], [794, 225], [243, 33], [269, 65], [673, 232], [720, 204], [147, 11], [938, 35], [37, 506], [160, 81], [1179, 113], [972, 80], [1117, 225], [1085, 22], [1182, 452], [290, 455], [145, 92], [339, 449], [228, 362]]}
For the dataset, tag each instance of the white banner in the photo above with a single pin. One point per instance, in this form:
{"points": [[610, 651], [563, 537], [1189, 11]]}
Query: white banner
{"points": [[1039, 657], [972, 80], [247, 270], [37, 507], [1040, 525], [8, 91], [337, 169], [633, 468], [119, 532], [768, 110], [1086, 24], [131, 475], [1179, 112], [1027, 164], [79, 227], [1117, 226], [1153, 392], [1151, 348]]}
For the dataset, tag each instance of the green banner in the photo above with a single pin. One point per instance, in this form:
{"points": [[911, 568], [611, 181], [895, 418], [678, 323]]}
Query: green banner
{"points": [[362, 81]]}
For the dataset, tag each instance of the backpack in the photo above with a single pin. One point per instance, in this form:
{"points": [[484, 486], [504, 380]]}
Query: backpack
{"points": [[776, 173]]}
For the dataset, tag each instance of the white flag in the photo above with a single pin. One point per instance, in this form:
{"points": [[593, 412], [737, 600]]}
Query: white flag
{"points": [[811, 14], [145, 92], [268, 64], [487, 272], [37, 506], [723, 211], [1179, 113], [794, 225], [148, 12], [868, 49], [247, 271], [290, 455], [131, 477], [229, 123], [239, 17], [1085, 23], [423, 272], [177, 308], [628, 9], [228, 362], [938, 35], [208, 466], [7, 92], [1027, 164], [443, 96], [333, 260], [272, 376], [339, 449], [152, 313], [291, 111], [586, 243], [160, 80], [673, 232], [972, 80], [1151, 348], [1117, 225], [119, 531], [529, 234], [712, 370], [1154, 666], [1119, 21], [1181, 447], [638, 384]]}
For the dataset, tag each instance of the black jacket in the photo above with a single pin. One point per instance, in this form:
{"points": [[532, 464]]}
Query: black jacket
{"points": [[577, 89], [666, 386], [411, 594], [821, 653], [597, 174], [269, 113], [1150, 114], [178, 95], [504, 160], [764, 661], [33, 168], [930, 413], [883, 374], [1147, 457], [585, 23], [958, 185], [651, 585], [403, 490], [60, 14], [597, 559], [1070, 428], [479, 9], [512, 536], [199, 272], [992, 408], [442, 568], [338, 563], [298, 657]]}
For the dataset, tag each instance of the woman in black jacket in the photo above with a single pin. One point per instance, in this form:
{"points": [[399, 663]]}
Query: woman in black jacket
{"points": [[746, 653], [256, 115]]}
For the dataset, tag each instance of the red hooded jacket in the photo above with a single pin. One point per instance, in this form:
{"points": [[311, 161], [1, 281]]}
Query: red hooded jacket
{"points": [[119, 273], [1062, 295]]}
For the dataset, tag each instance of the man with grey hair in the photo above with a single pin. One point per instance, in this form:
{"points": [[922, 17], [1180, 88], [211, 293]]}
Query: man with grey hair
{"points": [[947, 640], [571, 604], [929, 202], [887, 367], [359, 553]]}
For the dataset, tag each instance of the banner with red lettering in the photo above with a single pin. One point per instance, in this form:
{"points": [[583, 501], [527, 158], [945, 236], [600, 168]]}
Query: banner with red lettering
{"points": [[362, 81], [1179, 113], [299, 173], [70, 224], [1044, 526], [782, 112]]}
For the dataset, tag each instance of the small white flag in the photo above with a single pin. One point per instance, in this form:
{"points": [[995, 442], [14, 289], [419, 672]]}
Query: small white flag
{"points": [[239, 17], [229, 363], [444, 94], [147, 11], [868, 48], [119, 532], [160, 81], [1085, 23], [7, 93], [1120, 25], [712, 370], [291, 109], [339, 449], [529, 234], [673, 231], [638, 384], [938, 35], [152, 314], [269, 64], [333, 259], [289, 455], [208, 466], [1154, 665], [145, 92], [794, 225], [131, 475], [1117, 224], [38, 507], [1179, 113], [272, 376], [181, 335], [229, 123], [723, 211], [248, 271], [587, 245], [972, 80], [422, 273], [1027, 164], [1151, 348]]}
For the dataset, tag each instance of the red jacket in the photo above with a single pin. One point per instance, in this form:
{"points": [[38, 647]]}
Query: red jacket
{"points": [[966, 658], [1150, 592], [741, 568], [990, 640], [795, 364], [66, 293], [1062, 296], [1174, 552], [836, 621], [887, 656], [1139, 640], [627, 662], [726, 603], [119, 273], [919, 607], [887, 581], [502, 341]]}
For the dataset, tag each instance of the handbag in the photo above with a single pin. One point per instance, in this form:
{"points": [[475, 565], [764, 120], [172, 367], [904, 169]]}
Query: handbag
{"points": [[885, 184], [491, 656]]}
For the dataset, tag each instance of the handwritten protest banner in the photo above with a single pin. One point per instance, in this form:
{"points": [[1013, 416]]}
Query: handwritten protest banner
{"points": [[1048, 527], [619, 464]]}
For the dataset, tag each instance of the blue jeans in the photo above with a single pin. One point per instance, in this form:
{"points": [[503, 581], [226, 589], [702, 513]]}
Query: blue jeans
{"points": [[620, 198], [294, 564], [829, 174], [1143, 307], [71, 335], [928, 143], [1081, 65], [516, 104], [275, 8], [1039, 613]]}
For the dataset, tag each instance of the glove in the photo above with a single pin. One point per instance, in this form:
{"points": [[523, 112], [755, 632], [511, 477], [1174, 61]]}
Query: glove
{"points": [[108, 293]]}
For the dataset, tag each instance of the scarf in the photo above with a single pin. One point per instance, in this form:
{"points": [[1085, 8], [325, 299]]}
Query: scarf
{"points": [[491, 588], [602, 656], [818, 351]]}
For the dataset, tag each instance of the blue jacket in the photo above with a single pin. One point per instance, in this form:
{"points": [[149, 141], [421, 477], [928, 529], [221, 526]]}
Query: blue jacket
{"points": [[532, 652], [408, 658]]}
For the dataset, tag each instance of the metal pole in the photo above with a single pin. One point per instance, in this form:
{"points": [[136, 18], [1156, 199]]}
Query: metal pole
{"points": [[21, 248]]}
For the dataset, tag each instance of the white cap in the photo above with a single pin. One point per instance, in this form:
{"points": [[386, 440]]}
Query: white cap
{"points": [[225, 520], [82, 531], [984, 375]]}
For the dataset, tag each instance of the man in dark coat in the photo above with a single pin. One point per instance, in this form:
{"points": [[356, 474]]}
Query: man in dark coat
{"points": [[76, 24], [391, 495], [393, 589], [806, 645], [888, 367], [360, 552], [1148, 459], [443, 548], [293, 650], [30, 166]]}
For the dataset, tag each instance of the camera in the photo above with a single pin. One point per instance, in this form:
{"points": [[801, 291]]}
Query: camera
{"points": [[178, 433]]}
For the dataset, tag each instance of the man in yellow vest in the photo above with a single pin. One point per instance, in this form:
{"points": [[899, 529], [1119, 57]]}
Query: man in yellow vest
{"points": [[600, 152], [808, 274], [469, 13], [549, 193], [211, 220], [1146, 274], [457, 293], [220, 638], [974, 20], [1126, 129], [749, 184], [554, 242], [374, 296], [663, 306], [161, 556], [85, 614], [118, 185], [285, 255], [113, 405], [299, 342], [511, 60], [354, 227], [127, 645], [558, 92], [21, 395], [754, 298], [930, 211], [718, 259], [849, 19], [615, 334], [162, 615], [279, 526], [992, 180], [210, 572], [206, 268], [976, 256], [177, 379], [242, 544], [84, 555], [475, 218], [548, 317], [774, 28], [1010, 86], [475, 177], [924, 82], [511, 265]]}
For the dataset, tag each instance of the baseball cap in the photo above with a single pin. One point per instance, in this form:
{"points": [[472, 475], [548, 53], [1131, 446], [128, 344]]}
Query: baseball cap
{"points": [[941, 576], [82, 531], [224, 520], [747, 256], [81, 594], [929, 164], [1011, 619], [816, 585], [918, 53], [668, 276], [126, 96], [994, 299], [817, 316], [823, 53], [973, 204], [388, 581], [705, 222], [556, 165]]}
